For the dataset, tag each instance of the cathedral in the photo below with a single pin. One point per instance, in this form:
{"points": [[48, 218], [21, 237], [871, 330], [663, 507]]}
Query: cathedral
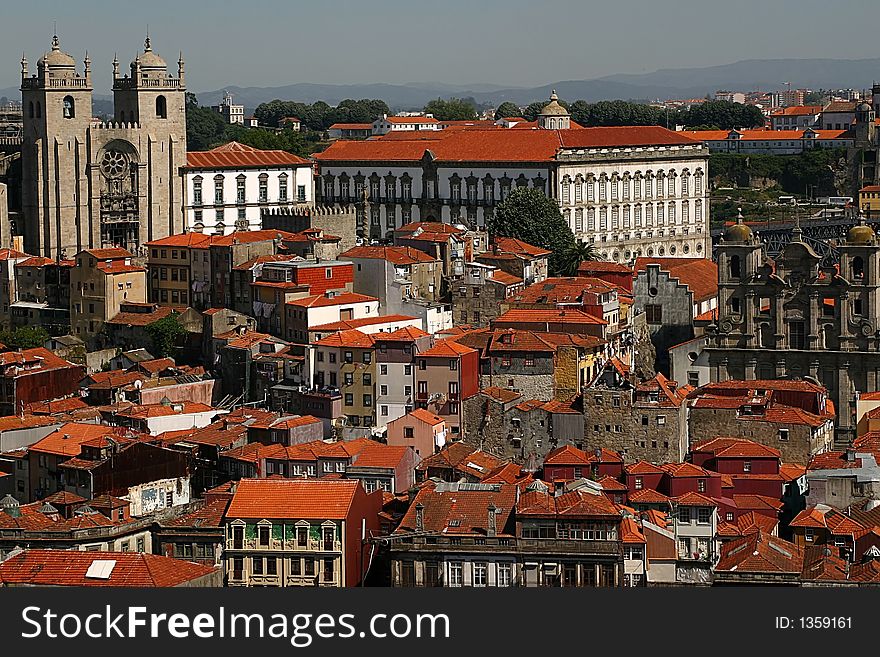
{"points": [[793, 318], [91, 184]]}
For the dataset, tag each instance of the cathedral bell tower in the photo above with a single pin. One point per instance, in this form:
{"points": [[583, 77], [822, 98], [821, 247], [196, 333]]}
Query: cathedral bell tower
{"points": [[57, 110]]}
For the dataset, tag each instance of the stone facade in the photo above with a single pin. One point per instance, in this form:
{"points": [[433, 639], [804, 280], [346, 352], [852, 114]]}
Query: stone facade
{"points": [[337, 219], [638, 429], [478, 297], [795, 318], [88, 185], [506, 425]]}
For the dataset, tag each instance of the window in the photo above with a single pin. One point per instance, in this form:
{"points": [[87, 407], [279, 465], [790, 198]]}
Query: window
{"points": [[301, 193], [218, 190], [368, 400], [809, 536], [796, 335], [747, 466], [455, 570], [349, 399], [654, 313], [161, 107], [701, 485], [239, 190], [257, 567], [302, 536], [783, 435], [69, 107], [264, 188], [480, 573], [197, 191], [684, 515], [504, 574], [282, 188], [639, 484], [704, 515]]}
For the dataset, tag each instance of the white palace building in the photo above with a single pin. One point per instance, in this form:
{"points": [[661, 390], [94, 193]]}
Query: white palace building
{"points": [[633, 191]]}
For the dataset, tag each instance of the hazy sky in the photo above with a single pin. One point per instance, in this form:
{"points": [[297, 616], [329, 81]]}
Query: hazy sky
{"points": [[508, 42]]}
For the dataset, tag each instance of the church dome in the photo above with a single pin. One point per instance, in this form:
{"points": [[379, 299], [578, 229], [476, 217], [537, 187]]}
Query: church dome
{"points": [[739, 232], [57, 58], [150, 60], [861, 234], [553, 108]]}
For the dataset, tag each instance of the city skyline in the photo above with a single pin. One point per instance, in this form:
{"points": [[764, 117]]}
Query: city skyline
{"points": [[223, 53]]}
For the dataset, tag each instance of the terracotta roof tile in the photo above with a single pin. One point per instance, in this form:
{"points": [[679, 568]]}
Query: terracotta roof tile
{"points": [[70, 568], [240, 156], [294, 499]]}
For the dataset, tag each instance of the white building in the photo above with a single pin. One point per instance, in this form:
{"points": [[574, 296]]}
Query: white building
{"points": [[629, 190], [230, 112], [773, 142], [385, 124], [228, 188]]}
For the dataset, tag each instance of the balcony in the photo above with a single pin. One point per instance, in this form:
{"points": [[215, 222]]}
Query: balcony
{"points": [[290, 545]]}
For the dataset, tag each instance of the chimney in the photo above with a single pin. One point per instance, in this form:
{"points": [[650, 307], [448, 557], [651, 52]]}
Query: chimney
{"points": [[491, 526], [850, 454], [420, 517]]}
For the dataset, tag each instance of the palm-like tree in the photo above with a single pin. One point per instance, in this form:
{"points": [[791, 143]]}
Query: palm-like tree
{"points": [[575, 255]]}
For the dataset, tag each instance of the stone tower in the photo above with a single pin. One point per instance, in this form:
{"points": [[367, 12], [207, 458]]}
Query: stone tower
{"points": [[554, 116], [88, 184], [57, 108]]}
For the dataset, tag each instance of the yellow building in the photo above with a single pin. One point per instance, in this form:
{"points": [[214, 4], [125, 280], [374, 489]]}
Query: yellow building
{"points": [[100, 282], [346, 361], [869, 200]]}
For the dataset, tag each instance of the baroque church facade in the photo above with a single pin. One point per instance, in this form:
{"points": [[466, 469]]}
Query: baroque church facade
{"points": [[793, 318], [89, 184]]}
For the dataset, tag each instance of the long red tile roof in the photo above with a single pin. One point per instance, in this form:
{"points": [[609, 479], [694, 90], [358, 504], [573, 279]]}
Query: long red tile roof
{"points": [[240, 156], [293, 499], [70, 568]]}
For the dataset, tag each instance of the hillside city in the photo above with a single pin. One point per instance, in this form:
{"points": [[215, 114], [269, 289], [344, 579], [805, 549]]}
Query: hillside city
{"points": [[610, 344]]}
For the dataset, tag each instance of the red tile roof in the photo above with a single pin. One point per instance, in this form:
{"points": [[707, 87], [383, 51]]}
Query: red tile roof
{"points": [[700, 275], [694, 499], [186, 240], [457, 512], [323, 300], [642, 468], [517, 247], [398, 255], [566, 316], [294, 499], [446, 349], [423, 415], [760, 552], [464, 458], [735, 448], [647, 496], [70, 568], [140, 319], [579, 503], [350, 338], [67, 439], [240, 156]]}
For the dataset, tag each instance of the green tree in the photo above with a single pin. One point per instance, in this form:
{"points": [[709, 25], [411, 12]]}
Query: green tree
{"points": [[507, 110], [724, 114], [204, 126], [24, 337], [527, 214], [165, 334], [576, 254], [454, 109]]}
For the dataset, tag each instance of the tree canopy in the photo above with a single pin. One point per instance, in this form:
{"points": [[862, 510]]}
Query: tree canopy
{"points": [[319, 116], [165, 333], [24, 337], [527, 214], [453, 109], [204, 127], [576, 254], [507, 110]]}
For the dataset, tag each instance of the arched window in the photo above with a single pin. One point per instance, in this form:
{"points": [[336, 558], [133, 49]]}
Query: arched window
{"points": [[161, 107], [858, 268], [68, 107], [31, 110], [735, 269]]}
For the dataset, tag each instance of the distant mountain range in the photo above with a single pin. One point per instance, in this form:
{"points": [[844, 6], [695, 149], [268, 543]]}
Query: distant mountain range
{"points": [[754, 74]]}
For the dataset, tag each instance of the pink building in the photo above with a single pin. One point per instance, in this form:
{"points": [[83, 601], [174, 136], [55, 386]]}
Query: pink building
{"points": [[420, 429]]}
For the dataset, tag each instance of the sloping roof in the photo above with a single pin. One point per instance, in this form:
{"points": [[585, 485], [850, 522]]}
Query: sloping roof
{"points": [[349, 338], [760, 553], [67, 439], [422, 415], [734, 448], [71, 568], [517, 247], [464, 458], [398, 255], [294, 499], [700, 275], [454, 509], [566, 316], [140, 319], [322, 300], [240, 156], [447, 349]]}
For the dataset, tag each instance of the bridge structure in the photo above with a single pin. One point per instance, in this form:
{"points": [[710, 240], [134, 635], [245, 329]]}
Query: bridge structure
{"points": [[822, 234]]}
